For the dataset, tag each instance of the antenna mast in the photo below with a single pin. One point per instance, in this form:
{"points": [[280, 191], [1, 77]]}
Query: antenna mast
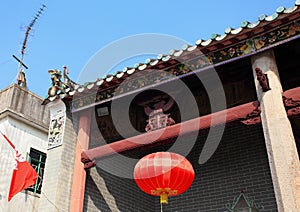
{"points": [[21, 80]]}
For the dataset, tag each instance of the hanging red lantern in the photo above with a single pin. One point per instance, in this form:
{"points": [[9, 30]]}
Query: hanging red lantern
{"points": [[164, 174]]}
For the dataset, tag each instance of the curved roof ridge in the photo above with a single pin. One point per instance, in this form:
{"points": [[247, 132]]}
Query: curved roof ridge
{"points": [[204, 43], [229, 33]]}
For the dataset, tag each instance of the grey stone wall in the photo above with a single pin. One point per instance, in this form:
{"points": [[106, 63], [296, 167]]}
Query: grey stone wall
{"points": [[239, 164]]}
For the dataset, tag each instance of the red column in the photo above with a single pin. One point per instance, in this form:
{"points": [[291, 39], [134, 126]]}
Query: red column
{"points": [[79, 176]]}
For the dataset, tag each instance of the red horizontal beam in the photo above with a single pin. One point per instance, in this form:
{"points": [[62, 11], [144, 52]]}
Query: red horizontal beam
{"points": [[204, 122], [292, 101], [196, 124], [292, 93]]}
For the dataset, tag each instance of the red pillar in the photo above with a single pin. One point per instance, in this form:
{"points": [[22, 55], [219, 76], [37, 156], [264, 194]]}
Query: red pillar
{"points": [[78, 185]]}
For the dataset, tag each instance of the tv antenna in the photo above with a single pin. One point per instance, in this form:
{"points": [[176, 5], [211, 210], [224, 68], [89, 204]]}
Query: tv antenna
{"points": [[21, 80]]}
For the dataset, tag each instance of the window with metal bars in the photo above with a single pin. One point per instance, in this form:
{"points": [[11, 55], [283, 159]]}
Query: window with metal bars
{"points": [[37, 159]]}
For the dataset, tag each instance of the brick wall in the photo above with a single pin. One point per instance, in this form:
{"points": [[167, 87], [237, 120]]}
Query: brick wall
{"points": [[239, 164], [67, 163], [58, 176], [106, 192]]}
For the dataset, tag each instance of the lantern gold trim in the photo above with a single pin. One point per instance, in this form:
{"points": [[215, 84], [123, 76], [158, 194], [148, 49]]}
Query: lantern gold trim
{"points": [[164, 194]]}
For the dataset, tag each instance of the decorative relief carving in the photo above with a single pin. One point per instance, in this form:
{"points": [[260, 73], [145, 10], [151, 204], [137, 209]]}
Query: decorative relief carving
{"points": [[292, 106], [253, 117], [293, 111], [262, 79], [249, 46], [56, 130], [88, 163], [289, 102], [157, 120], [156, 109], [59, 88]]}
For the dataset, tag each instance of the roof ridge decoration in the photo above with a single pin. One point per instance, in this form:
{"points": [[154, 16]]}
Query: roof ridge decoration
{"points": [[59, 89], [242, 49], [246, 46]]}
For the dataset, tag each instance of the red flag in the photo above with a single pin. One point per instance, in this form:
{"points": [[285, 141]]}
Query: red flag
{"points": [[23, 176]]}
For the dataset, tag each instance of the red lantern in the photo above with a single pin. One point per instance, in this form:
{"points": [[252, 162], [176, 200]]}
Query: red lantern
{"points": [[164, 174]]}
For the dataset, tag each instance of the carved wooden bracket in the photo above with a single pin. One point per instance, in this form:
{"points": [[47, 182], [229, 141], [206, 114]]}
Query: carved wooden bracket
{"points": [[292, 106], [157, 104], [253, 117], [88, 163], [262, 79], [156, 109], [290, 102], [157, 120]]}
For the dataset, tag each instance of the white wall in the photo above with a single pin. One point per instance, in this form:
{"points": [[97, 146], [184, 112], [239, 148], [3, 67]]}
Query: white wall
{"points": [[23, 137]]}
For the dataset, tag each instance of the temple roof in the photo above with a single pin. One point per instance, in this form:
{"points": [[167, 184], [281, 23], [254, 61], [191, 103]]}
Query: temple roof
{"points": [[248, 39]]}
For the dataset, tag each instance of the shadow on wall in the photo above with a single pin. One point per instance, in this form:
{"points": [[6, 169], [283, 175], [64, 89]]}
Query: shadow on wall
{"points": [[98, 202], [107, 192]]}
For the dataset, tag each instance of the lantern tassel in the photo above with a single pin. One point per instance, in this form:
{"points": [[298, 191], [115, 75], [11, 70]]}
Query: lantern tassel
{"points": [[164, 198]]}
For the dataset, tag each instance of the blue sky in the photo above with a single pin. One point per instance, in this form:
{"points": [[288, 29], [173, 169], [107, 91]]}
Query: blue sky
{"points": [[71, 32]]}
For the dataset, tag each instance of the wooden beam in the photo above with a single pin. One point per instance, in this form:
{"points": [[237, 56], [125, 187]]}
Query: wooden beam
{"points": [[166, 134], [241, 112]]}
